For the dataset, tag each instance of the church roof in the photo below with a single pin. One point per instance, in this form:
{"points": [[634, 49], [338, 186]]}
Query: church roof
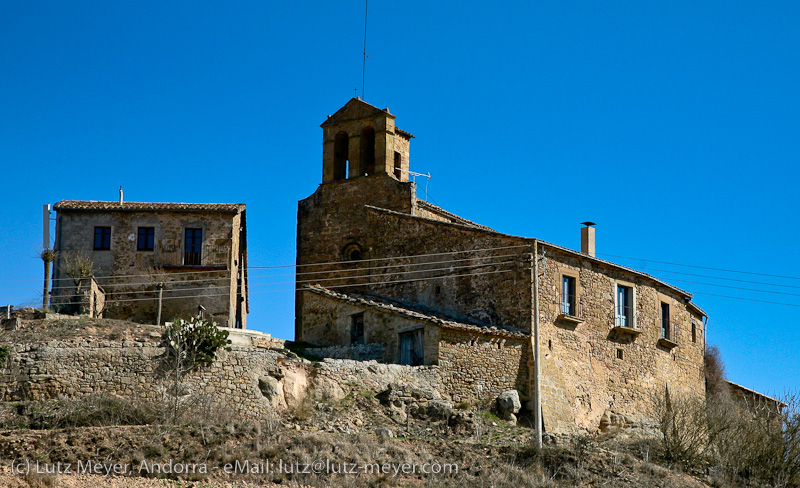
{"points": [[392, 306], [356, 109], [478, 228]]}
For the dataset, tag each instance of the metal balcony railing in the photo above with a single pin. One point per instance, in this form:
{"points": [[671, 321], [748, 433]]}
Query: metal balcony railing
{"points": [[623, 317], [568, 304], [205, 256]]}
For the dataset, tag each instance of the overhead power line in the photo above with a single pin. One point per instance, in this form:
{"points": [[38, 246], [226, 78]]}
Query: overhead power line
{"points": [[309, 281], [349, 285], [713, 277], [747, 299], [252, 280], [393, 257], [289, 266], [704, 267]]}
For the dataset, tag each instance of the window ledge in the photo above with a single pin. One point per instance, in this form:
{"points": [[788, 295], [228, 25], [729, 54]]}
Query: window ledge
{"points": [[569, 319], [664, 342], [627, 330]]}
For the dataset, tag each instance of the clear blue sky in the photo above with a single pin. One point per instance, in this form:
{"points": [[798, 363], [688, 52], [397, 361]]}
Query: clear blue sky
{"points": [[673, 125]]}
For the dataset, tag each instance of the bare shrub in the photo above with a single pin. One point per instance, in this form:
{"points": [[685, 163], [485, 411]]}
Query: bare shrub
{"points": [[758, 444], [89, 411], [683, 426], [714, 370], [78, 266]]}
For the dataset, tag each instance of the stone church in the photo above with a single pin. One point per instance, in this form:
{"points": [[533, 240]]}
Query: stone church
{"points": [[378, 266]]}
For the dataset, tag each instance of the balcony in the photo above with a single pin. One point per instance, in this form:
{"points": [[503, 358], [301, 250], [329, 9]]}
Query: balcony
{"points": [[206, 257], [624, 322], [569, 310]]}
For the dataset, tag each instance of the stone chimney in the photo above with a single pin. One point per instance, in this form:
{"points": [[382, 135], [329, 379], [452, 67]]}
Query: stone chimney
{"points": [[587, 238], [120, 196]]}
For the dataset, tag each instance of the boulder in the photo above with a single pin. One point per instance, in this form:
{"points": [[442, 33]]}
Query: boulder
{"points": [[270, 389], [328, 389], [384, 433], [508, 401], [510, 417], [440, 409]]}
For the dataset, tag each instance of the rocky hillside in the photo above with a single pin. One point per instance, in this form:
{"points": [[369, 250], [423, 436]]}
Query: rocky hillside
{"points": [[329, 423]]}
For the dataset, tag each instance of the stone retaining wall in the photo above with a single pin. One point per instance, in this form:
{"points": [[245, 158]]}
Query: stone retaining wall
{"points": [[377, 377], [130, 369], [358, 352], [478, 367]]}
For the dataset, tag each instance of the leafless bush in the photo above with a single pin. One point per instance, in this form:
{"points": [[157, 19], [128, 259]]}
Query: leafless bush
{"points": [[78, 266], [89, 411], [714, 372], [757, 444], [746, 441], [683, 426]]}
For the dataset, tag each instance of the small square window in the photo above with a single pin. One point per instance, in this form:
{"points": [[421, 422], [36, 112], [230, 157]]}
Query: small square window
{"points": [[102, 238], [619, 353], [146, 239]]}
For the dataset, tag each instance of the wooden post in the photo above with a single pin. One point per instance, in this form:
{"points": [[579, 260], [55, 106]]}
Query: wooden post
{"points": [[46, 293], [537, 365], [160, 293]]}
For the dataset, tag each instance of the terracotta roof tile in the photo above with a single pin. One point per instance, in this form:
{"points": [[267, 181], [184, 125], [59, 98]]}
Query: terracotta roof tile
{"points": [[98, 206], [403, 133], [479, 228], [392, 306]]}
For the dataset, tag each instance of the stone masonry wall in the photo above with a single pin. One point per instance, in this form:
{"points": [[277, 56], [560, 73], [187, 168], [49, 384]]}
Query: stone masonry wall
{"points": [[358, 352], [128, 275], [477, 367], [489, 283], [328, 323], [77, 367], [377, 377], [335, 217], [583, 377]]}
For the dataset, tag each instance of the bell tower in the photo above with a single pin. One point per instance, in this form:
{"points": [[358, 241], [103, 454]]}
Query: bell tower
{"points": [[362, 140]]}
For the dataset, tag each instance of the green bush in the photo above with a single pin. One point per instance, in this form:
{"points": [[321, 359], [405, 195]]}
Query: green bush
{"points": [[194, 343]]}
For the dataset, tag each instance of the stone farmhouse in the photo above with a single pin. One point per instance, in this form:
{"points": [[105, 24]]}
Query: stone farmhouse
{"points": [[193, 255], [377, 266]]}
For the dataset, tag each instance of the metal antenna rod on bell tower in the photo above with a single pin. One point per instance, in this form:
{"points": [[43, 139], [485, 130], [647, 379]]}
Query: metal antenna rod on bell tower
{"points": [[364, 52]]}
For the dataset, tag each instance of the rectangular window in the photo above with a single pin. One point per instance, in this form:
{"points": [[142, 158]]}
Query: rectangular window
{"points": [[568, 296], [694, 332], [193, 247], [624, 312], [102, 238], [412, 346], [357, 329], [146, 239], [665, 332]]}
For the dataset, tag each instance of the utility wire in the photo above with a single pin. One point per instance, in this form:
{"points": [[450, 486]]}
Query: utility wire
{"points": [[739, 288], [349, 285], [251, 284], [713, 277], [704, 267], [342, 262], [747, 299], [253, 279], [390, 258]]}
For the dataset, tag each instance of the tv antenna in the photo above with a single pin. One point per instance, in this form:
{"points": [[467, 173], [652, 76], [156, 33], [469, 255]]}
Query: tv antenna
{"points": [[364, 52], [414, 174]]}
